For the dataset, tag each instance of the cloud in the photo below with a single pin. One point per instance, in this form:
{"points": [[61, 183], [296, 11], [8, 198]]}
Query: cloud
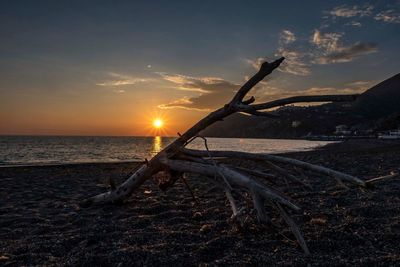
{"points": [[256, 63], [195, 84], [270, 93], [388, 16], [213, 92], [294, 63], [331, 50], [294, 60], [120, 80], [182, 103], [347, 54], [327, 41], [287, 37], [354, 23], [345, 11], [331, 91], [362, 85]]}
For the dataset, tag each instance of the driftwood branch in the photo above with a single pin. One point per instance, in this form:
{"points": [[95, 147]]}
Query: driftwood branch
{"points": [[233, 177], [294, 227], [299, 99], [176, 158], [382, 178], [278, 159]]}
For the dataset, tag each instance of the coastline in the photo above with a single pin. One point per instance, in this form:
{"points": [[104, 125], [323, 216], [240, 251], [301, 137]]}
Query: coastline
{"points": [[42, 223]]}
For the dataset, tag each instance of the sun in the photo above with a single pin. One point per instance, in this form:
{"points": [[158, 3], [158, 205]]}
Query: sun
{"points": [[158, 123]]}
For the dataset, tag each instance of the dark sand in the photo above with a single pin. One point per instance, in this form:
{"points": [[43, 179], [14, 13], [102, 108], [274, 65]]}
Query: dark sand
{"points": [[41, 222]]}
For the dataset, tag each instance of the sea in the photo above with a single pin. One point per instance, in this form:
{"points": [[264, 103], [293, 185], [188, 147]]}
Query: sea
{"points": [[50, 150]]}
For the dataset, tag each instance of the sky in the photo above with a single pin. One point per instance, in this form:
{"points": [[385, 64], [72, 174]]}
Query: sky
{"points": [[112, 67]]}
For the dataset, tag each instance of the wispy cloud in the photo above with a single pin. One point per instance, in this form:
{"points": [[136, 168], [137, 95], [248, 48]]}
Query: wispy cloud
{"points": [[331, 50], [256, 63], [388, 16], [294, 59], [287, 37], [346, 11], [294, 62], [116, 79], [361, 85], [195, 84], [182, 103], [213, 91], [269, 93], [331, 90], [327, 41], [354, 23]]}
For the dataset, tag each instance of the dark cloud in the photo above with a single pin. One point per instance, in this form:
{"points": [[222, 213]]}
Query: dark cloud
{"points": [[346, 54]]}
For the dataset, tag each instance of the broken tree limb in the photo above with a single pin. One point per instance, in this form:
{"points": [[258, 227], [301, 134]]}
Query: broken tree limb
{"points": [[299, 99], [258, 202], [257, 173], [261, 114], [295, 229], [382, 178], [265, 69], [284, 173], [232, 176], [280, 159]]}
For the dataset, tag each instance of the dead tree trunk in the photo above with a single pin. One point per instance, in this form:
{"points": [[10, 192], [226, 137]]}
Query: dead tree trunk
{"points": [[177, 158]]}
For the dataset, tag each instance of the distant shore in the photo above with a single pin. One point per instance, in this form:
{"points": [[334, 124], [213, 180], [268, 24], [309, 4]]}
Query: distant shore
{"points": [[42, 224]]}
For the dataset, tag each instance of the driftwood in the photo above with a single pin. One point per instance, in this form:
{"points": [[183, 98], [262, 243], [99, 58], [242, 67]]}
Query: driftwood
{"points": [[178, 159], [382, 178]]}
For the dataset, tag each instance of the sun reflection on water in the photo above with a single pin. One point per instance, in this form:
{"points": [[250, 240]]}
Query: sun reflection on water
{"points": [[157, 144]]}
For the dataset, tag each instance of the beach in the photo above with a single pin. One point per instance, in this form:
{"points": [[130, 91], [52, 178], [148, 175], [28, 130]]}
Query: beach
{"points": [[42, 222]]}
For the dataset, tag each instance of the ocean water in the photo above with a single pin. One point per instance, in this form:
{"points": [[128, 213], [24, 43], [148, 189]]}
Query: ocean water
{"points": [[38, 150]]}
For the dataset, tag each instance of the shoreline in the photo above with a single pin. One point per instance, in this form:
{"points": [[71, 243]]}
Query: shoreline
{"points": [[333, 145], [43, 164]]}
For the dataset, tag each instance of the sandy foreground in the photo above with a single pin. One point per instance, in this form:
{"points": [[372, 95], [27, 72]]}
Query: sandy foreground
{"points": [[41, 222]]}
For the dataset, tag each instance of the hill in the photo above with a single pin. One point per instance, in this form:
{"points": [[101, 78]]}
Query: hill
{"points": [[378, 108]]}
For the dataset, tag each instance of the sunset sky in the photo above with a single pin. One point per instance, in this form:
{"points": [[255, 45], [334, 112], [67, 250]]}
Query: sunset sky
{"points": [[112, 67]]}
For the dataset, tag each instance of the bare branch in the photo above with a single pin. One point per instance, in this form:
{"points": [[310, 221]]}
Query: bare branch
{"points": [[232, 176], [228, 193], [285, 173], [249, 101], [266, 68], [298, 99], [294, 227], [256, 173], [382, 178], [125, 189], [183, 178], [261, 114], [274, 158], [259, 206]]}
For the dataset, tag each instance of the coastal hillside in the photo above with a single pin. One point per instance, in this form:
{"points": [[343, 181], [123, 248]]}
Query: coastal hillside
{"points": [[377, 109], [381, 100]]}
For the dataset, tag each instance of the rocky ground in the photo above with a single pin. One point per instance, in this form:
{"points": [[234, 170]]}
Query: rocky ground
{"points": [[41, 222]]}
